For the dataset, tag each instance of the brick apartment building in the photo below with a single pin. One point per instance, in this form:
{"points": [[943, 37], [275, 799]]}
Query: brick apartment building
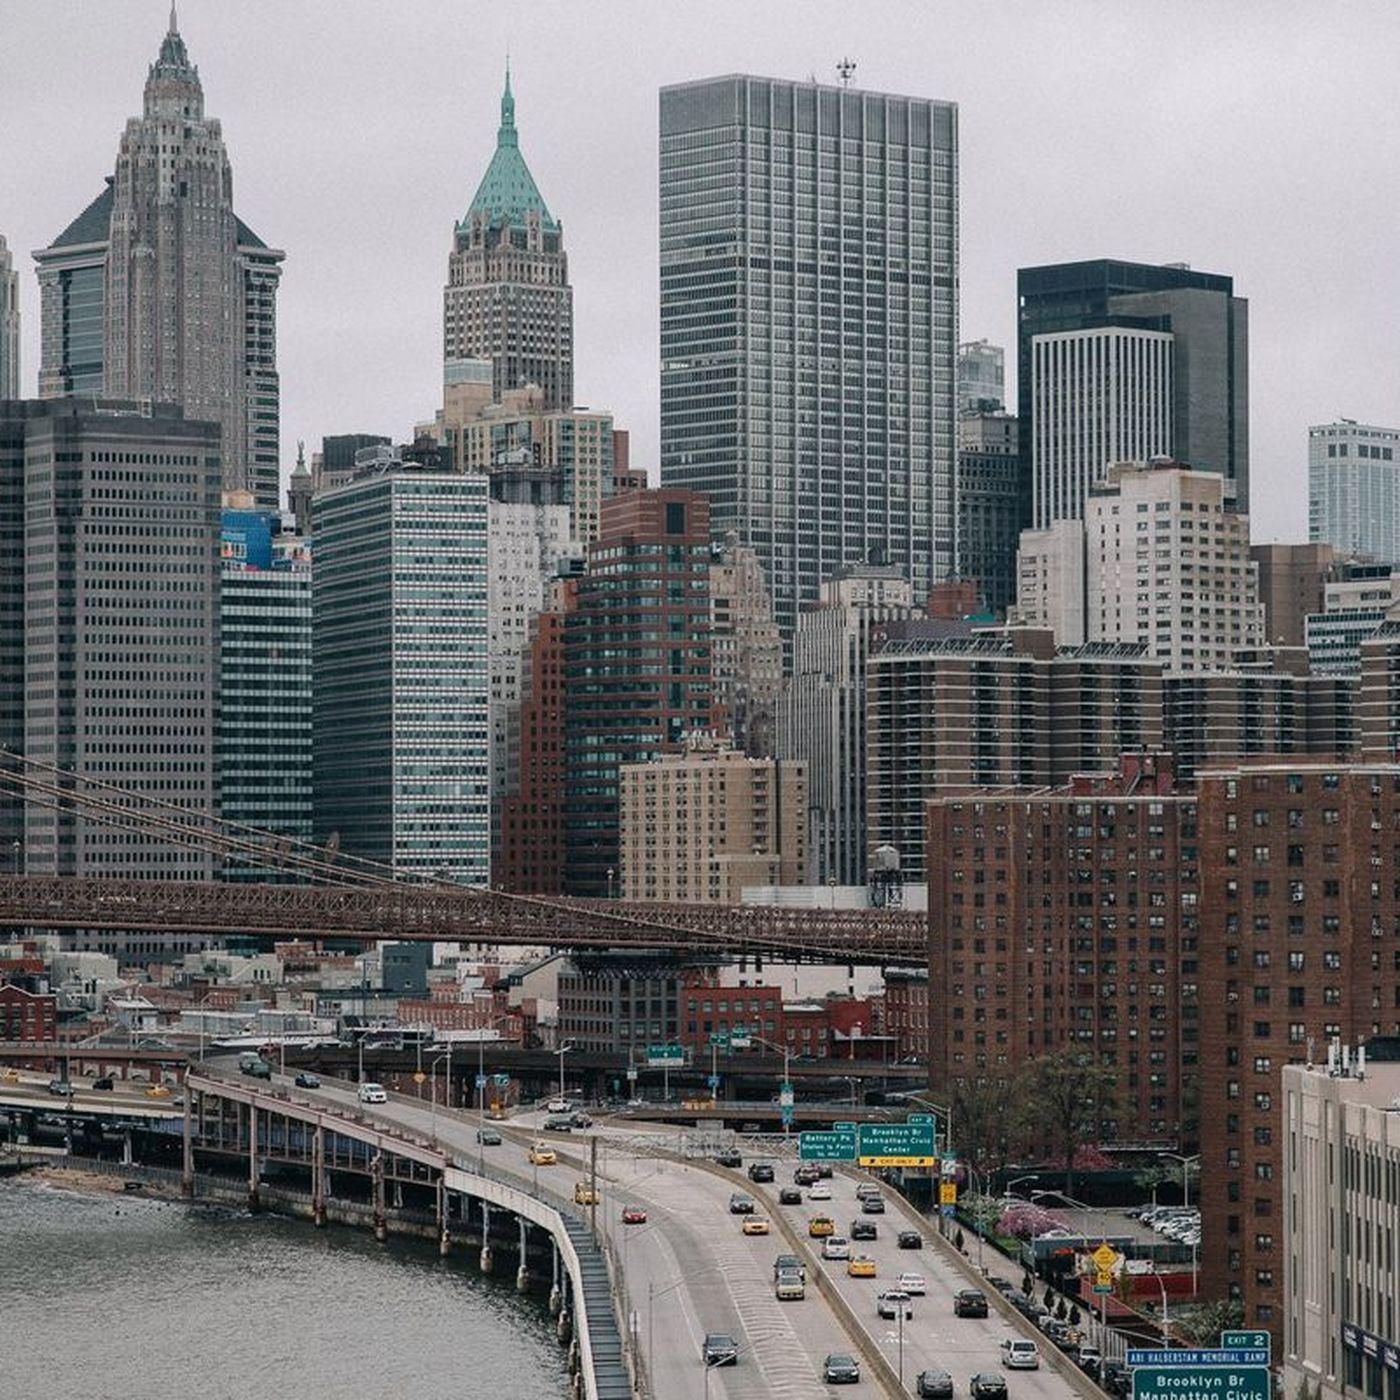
{"points": [[906, 1011], [1066, 919], [26, 1015], [1300, 943]]}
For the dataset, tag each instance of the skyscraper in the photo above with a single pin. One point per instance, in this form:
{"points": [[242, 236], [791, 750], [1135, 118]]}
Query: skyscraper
{"points": [[508, 298], [1354, 489], [9, 324], [158, 291], [981, 377], [809, 282], [400, 670], [1135, 360]]}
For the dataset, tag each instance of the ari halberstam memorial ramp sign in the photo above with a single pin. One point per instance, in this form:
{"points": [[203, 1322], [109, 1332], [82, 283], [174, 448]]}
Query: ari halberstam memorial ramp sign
{"points": [[1237, 1370]]}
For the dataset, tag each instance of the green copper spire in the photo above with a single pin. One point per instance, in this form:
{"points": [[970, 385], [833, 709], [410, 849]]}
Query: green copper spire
{"points": [[508, 191]]}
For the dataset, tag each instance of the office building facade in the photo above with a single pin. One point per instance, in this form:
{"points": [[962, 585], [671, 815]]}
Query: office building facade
{"points": [[822, 718], [265, 769], [508, 299], [746, 649], [981, 377], [1184, 335], [118, 560], [809, 276], [1341, 1334], [1354, 604], [1291, 582], [700, 826], [989, 505], [159, 291], [1354, 490], [9, 324], [399, 617]]}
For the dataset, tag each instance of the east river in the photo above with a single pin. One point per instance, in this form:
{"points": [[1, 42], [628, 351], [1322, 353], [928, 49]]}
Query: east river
{"points": [[112, 1297]]}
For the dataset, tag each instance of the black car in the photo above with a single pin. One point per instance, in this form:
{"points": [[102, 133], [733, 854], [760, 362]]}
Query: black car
{"points": [[580, 1120], [740, 1204], [559, 1123], [789, 1264], [1117, 1379], [934, 1385], [1004, 1286], [987, 1385], [969, 1302], [910, 1239], [824, 1170], [863, 1230], [307, 1080], [62, 1087], [728, 1159], [488, 1137], [789, 1195], [719, 1349], [840, 1369], [104, 1083], [761, 1171]]}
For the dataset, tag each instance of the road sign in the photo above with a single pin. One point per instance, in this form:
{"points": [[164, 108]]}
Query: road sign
{"points": [[947, 1193], [719, 1039], [1225, 1356], [740, 1039], [712, 1080], [502, 1081], [481, 1081], [785, 1095], [835, 1146], [1259, 1341], [785, 1113], [1105, 1257], [665, 1056], [1201, 1383], [419, 1077], [947, 1210], [1104, 1287], [896, 1144]]}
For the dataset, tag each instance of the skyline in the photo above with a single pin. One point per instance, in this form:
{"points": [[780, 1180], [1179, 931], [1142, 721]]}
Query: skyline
{"points": [[1248, 111]]}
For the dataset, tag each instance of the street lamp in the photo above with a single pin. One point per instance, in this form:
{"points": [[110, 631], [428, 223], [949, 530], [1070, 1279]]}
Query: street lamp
{"points": [[481, 1088], [853, 1081], [1166, 1321], [561, 1052], [1186, 1164], [786, 1053], [937, 1108], [653, 1293], [432, 1086]]}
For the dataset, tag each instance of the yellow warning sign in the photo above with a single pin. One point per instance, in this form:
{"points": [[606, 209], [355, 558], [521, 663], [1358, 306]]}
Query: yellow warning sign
{"points": [[1105, 1257], [1103, 1279], [947, 1193]]}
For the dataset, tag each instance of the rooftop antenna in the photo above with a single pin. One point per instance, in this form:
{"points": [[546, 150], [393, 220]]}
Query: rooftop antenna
{"points": [[846, 70]]}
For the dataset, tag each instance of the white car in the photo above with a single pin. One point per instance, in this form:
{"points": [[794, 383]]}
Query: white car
{"points": [[373, 1093], [836, 1247], [557, 1106], [912, 1284], [894, 1301], [819, 1192], [1020, 1355]]}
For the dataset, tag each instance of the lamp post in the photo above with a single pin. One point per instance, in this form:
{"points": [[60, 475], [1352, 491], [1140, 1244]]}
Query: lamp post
{"points": [[786, 1053], [1166, 1321], [561, 1052], [481, 1088], [653, 1293], [1186, 1164], [432, 1086]]}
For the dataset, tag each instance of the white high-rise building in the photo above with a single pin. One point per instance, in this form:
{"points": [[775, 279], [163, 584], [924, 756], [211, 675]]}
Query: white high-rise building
{"points": [[1354, 489], [1167, 564], [1050, 581], [821, 721], [9, 324], [1101, 396]]}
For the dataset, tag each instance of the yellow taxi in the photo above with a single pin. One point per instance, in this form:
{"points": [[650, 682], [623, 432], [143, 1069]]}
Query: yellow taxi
{"points": [[754, 1226], [9, 1076], [541, 1154], [861, 1266], [820, 1225], [158, 1091], [585, 1195]]}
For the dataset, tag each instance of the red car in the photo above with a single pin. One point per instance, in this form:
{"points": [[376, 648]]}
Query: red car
{"points": [[633, 1215]]}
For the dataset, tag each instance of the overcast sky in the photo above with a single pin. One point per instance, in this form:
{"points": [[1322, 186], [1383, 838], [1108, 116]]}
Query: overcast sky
{"points": [[1259, 138]]}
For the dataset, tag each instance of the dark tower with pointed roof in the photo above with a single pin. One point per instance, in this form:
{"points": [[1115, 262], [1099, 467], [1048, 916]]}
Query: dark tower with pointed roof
{"points": [[508, 299], [158, 291]]}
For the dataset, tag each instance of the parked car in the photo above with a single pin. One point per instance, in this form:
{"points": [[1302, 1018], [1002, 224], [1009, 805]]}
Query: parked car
{"points": [[864, 1230], [840, 1369], [307, 1080], [987, 1385], [789, 1196], [760, 1171], [369, 1092], [1116, 1379], [969, 1302], [740, 1204], [894, 1301], [910, 1239], [934, 1385], [1004, 1286], [1018, 1354], [719, 1349]]}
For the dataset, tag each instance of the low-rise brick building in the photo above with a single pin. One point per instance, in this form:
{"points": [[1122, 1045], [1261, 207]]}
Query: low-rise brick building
{"points": [[26, 1015]]}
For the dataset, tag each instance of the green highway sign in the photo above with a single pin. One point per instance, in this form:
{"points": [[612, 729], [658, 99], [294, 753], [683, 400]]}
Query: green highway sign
{"points": [[896, 1144], [1262, 1341], [1201, 1383], [719, 1039], [836, 1146], [665, 1055]]}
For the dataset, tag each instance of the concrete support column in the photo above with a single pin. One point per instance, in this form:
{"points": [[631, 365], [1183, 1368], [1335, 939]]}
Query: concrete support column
{"points": [[381, 1224], [556, 1295], [187, 1143], [522, 1274], [318, 1176], [444, 1234], [486, 1258], [252, 1156]]}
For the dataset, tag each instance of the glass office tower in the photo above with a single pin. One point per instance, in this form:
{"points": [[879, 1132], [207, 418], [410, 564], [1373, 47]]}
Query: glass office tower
{"points": [[809, 339]]}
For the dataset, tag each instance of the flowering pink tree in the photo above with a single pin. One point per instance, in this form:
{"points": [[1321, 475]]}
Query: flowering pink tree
{"points": [[1026, 1221]]}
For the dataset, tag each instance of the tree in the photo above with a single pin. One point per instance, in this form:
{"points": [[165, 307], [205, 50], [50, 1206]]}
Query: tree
{"points": [[1049, 1296], [1060, 1311], [1074, 1314], [1072, 1094], [1204, 1323], [1027, 1283], [958, 1241], [990, 1120]]}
